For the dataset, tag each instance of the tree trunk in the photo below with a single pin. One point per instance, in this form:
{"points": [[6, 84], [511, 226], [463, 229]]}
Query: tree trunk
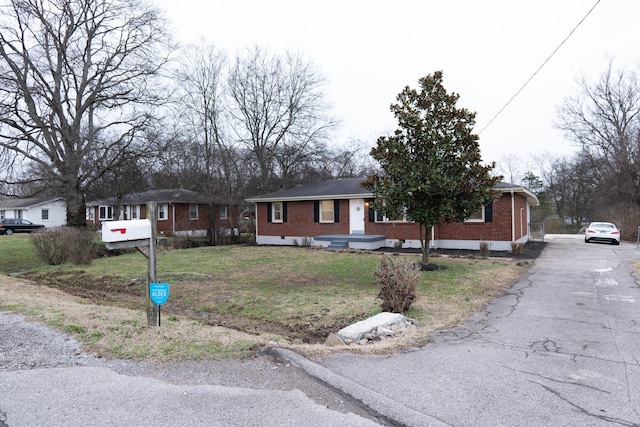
{"points": [[76, 207], [424, 243]]}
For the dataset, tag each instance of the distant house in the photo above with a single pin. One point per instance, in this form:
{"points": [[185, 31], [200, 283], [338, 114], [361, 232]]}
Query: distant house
{"points": [[180, 211], [339, 214], [50, 212]]}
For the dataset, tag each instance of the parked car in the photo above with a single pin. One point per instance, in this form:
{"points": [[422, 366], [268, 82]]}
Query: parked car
{"points": [[9, 226], [603, 232]]}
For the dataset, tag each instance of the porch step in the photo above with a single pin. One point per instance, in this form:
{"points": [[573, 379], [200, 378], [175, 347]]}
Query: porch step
{"points": [[338, 244]]}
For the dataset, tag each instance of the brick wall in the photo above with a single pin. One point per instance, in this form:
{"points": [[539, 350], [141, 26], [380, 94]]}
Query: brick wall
{"points": [[300, 222]]}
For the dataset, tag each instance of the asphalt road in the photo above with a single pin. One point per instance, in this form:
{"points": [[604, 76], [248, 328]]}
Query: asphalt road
{"points": [[560, 348]]}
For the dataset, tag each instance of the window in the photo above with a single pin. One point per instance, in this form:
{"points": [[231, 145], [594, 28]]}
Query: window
{"points": [[392, 217], [17, 214], [193, 211], [134, 212], [326, 211], [484, 214], [90, 216], [162, 211], [45, 215], [1, 214], [223, 212], [105, 213], [478, 216], [276, 212]]}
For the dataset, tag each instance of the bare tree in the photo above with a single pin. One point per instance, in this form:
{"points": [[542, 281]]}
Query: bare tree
{"points": [[279, 114], [75, 89], [604, 119]]}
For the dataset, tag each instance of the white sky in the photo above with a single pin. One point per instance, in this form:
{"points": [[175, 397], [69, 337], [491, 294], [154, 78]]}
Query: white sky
{"points": [[369, 50]]}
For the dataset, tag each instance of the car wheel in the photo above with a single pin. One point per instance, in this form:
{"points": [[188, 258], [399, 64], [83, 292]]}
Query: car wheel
{"points": [[9, 232]]}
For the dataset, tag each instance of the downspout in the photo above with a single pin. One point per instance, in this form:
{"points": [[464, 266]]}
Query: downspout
{"points": [[173, 219], [513, 217]]}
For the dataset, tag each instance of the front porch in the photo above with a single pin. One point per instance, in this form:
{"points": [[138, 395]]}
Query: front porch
{"points": [[351, 241]]}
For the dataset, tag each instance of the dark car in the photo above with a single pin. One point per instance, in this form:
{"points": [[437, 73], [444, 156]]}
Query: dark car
{"points": [[9, 226]]}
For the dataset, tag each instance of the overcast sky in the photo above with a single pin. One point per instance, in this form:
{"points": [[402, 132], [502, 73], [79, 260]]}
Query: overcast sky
{"points": [[370, 50]]}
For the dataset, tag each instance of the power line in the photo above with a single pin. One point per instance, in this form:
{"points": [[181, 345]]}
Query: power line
{"points": [[540, 67]]}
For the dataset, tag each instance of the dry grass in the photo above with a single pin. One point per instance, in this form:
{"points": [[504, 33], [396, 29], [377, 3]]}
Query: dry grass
{"points": [[287, 292]]}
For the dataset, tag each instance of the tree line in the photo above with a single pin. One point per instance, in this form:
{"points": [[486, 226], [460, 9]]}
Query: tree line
{"points": [[97, 101]]}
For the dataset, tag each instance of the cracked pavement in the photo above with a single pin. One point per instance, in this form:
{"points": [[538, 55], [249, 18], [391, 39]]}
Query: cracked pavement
{"points": [[560, 347]]}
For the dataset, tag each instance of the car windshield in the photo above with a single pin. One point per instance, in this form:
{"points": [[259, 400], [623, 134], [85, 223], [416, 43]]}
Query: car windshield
{"points": [[603, 225]]}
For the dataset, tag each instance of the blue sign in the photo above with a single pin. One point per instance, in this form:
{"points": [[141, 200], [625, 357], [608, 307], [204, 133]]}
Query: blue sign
{"points": [[159, 292]]}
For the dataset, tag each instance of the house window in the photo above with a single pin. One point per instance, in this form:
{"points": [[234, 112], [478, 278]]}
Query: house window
{"points": [[17, 214], [45, 215], [105, 213], [484, 214], [134, 212], [326, 211], [276, 212], [162, 211], [477, 216], [392, 217], [90, 216], [193, 211], [223, 212]]}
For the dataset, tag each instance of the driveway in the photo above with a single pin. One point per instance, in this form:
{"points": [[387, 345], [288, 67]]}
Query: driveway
{"points": [[560, 348]]}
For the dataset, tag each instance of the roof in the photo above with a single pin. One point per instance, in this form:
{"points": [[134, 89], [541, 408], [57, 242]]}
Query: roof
{"points": [[350, 188], [26, 203], [178, 195], [344, 188]]}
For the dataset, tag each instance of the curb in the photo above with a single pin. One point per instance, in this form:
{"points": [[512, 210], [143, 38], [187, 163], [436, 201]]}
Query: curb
{"points": [[390, 410]]}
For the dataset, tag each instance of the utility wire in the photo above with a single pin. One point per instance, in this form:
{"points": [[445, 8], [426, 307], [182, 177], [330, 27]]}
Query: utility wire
{"points": [[540, 67]]}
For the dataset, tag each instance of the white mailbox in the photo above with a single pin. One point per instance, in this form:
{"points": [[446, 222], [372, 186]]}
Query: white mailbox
{"points": [[126, 231]]}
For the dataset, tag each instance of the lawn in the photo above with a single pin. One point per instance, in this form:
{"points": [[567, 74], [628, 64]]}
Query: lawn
{"points": [[228, 301]]}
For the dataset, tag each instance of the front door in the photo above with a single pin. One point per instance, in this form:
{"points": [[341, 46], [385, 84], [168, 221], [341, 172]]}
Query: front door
{"points": [[356, 216]]}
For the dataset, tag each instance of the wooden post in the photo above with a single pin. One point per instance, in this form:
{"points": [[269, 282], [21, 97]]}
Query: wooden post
{"points": [[152, 308]]}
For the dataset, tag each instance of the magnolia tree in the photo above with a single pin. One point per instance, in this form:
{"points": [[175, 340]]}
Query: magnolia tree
{"points": [[431, 166]]}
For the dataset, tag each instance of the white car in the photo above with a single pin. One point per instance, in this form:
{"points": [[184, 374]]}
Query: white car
{"points": [[602, 232]]}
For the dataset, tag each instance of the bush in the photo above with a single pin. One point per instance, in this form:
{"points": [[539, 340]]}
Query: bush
{"points": [[484, 249], [397, 279], [65, 244]]}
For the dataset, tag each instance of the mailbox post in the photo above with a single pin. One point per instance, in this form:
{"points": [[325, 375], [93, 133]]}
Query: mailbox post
{"points": [[139, 234], [152, 308]]}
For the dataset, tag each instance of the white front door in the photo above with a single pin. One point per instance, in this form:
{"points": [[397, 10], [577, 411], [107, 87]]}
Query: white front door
{"points": [[356, 216]]}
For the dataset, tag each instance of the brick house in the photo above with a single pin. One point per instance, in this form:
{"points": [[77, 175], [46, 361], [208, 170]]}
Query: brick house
{"points": [[339, 214], [180, 212]]}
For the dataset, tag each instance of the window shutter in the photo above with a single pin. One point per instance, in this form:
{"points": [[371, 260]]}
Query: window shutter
{"points": [[488, 213], [316, 211], [336, 211], [284, 212], [269, 212], [372, 213]]}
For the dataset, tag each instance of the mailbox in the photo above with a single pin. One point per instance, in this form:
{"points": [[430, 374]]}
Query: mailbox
{"points": [[126, 231]]}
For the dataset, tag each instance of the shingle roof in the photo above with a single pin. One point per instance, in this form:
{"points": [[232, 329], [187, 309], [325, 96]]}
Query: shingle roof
{"points": [[178, 195], [336, 188], [26, 202], [349, 188]]}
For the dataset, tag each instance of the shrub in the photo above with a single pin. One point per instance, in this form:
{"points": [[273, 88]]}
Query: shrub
{"points": [[65, 244], [397, 279], [517, 248], [484, 249]]}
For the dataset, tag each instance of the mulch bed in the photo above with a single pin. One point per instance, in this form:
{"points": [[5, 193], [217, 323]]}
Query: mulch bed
{"points": [[532, 250]]}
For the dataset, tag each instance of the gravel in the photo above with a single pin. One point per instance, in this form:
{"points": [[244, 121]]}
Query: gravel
{"points": [[26, 345]]}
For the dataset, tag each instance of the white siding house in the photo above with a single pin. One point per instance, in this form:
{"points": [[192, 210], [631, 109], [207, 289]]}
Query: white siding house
{"points": [[50, 212]]}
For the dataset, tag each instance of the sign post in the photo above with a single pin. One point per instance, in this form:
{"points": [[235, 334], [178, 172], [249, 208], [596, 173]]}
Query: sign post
{"points": [[159, 293]]}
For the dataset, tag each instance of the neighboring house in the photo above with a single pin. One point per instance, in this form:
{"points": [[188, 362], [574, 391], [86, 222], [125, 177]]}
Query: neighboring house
{"points": [[50, 212], [180, 212], [339, 214]]}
